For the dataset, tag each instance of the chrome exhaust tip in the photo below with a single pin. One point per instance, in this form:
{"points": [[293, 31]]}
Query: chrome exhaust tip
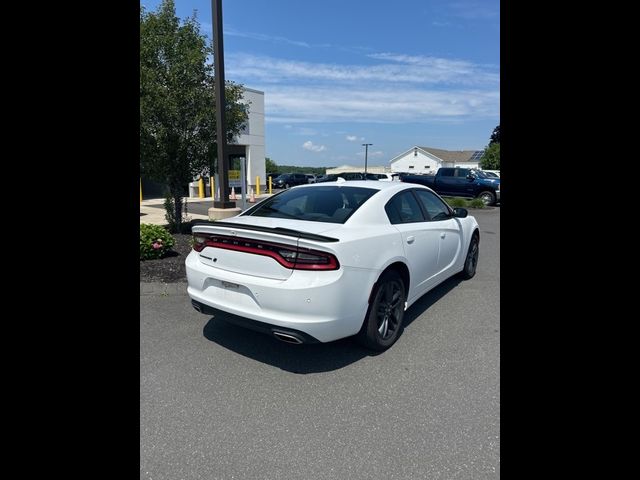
{"points": [[287, 338], [196, 306]]}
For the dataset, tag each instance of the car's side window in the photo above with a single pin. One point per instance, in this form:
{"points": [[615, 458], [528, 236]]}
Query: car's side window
{"points": [[435, 207], [403, 208]]}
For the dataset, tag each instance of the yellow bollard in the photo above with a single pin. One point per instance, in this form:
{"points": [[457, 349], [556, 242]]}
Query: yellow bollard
{"points": [[213, 195], [141, 191], [269, 185], [257, 185], [201, 187]]}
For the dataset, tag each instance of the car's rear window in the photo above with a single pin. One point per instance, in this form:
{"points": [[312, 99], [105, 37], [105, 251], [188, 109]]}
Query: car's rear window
{"points": [[330, 204]]}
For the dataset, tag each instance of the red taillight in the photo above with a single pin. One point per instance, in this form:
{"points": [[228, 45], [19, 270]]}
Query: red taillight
{"points": [[199, 242], [286, 255]]}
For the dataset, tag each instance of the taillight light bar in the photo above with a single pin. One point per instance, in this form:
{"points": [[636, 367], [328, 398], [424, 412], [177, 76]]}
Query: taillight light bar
{"points": [[288, 256]]}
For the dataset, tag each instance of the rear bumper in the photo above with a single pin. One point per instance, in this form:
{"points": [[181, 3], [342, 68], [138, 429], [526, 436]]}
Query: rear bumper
{"points": [[324, 306], [252, 324]]}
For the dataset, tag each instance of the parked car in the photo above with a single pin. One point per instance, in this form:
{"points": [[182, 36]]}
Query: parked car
{"points": [[299, 265], [287, 180], [387, 177], [460, 182], [272, 176], [491, 173], [332, 177], [311, 178]]}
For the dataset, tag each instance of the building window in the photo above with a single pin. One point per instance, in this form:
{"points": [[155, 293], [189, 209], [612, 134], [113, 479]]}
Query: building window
{"points": [[410, 166], [427, 167]]}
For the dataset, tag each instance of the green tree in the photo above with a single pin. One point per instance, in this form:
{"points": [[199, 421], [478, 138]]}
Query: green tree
{"points": [[495, 136], [491, 158], [177, 102], [270, 166]]}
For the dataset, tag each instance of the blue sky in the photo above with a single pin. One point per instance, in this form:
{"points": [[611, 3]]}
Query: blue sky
{"points": [[337, 74]]}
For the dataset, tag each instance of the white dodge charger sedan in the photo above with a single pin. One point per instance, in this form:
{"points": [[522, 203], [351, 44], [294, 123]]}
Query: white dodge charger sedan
{"points": [[325, 261]]}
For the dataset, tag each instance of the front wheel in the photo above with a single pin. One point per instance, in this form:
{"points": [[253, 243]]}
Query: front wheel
{"points": [[487, 197], [286, 186], [384, 318], [471, 262]]}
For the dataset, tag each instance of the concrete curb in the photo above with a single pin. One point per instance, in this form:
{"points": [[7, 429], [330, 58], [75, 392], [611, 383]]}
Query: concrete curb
{"points": [[156, 216]]}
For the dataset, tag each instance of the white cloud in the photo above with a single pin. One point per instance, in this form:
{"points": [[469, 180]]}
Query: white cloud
{"points": [[320, 104], [397, 69], [351, 138], [262, 37], [401, 88], [308, 145]]}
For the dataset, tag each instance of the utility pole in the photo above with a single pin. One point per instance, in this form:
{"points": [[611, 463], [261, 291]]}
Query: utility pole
{"points": [[366, 151], [221, 123]]}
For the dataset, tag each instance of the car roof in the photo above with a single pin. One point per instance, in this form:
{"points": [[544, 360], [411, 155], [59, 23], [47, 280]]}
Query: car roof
{"points": [[364, 183]]}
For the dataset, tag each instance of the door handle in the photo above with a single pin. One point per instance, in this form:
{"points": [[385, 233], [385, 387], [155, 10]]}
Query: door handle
{"points": [[442, 235], [411, 239]]}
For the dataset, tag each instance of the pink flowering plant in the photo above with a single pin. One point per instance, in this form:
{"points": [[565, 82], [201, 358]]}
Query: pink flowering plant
{"points": [[155, 241]]}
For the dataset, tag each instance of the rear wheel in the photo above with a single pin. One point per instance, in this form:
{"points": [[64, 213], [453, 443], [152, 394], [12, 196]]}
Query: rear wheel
{"points": [[471, 262], [384, 318], [487, 197]]}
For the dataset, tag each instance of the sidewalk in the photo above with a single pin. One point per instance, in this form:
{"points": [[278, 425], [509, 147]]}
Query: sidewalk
{"points": [[156, 216]]}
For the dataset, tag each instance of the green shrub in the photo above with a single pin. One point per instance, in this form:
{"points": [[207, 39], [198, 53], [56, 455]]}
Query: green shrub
{"points": [[456, 202], [155, 241], [476, 203]]}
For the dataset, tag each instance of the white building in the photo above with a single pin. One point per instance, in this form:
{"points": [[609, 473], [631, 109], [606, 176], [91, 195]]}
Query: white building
{"points": [[250, 143], [349, 168], [427, 160]]}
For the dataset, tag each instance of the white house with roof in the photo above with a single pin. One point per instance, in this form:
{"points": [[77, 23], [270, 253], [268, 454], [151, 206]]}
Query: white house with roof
{"points": [[427, 160]]}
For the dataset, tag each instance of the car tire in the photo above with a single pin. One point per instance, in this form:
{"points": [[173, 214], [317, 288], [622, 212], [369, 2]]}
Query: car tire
{"points": [[471, 260], [286, 186], [487, 197], [383, 322]]}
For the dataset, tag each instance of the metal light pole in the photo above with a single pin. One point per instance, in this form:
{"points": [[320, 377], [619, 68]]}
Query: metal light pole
{"points": [[366, 151], [221, 123]]}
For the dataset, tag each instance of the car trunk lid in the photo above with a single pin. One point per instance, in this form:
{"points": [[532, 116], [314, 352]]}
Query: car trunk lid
{"points": [[255, 248]]}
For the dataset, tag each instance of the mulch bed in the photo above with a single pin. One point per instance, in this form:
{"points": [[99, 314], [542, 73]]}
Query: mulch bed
{"points": [[171, 268]]}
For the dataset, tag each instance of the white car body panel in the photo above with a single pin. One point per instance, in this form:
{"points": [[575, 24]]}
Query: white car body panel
{"points": [[327, 305]]}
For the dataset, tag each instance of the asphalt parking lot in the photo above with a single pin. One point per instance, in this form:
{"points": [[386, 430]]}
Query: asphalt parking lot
{"points": [[221, 402]]}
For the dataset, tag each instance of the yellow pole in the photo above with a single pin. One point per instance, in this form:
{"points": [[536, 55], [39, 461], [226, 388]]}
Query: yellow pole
{"points": [[213, 195], [257, 185], [269, 185], [201, 187], [141, 191]]}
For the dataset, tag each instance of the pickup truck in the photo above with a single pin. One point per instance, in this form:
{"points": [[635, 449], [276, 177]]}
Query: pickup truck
{"points": [[460, 182]]}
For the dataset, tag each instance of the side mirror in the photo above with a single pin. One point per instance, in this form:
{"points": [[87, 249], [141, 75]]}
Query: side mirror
{"points": [[460, 212], [471, 177]]}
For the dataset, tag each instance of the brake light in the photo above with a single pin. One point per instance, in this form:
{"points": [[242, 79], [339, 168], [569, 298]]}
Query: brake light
{"points": [[288, 256], [199, 242]]}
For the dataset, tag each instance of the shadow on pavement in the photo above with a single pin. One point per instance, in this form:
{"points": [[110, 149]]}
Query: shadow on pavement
{"points": [[311, 358], [429, 298]]}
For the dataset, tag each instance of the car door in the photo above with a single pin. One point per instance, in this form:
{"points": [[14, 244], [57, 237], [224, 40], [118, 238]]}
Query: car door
{"points": [[420, 239], [448, 228]]}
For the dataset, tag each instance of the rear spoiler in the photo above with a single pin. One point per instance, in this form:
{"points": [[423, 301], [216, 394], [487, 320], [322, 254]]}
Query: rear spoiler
{"points": [[289, 232]]}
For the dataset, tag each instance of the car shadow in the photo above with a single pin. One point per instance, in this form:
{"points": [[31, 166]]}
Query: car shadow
{"points": [[429, 298], [302, 359], [307, 358]]}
